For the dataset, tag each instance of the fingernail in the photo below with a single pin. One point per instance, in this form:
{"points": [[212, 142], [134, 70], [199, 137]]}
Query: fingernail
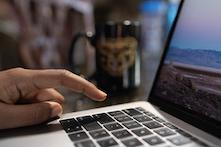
{"points": [[103, 94], [56, 111]]}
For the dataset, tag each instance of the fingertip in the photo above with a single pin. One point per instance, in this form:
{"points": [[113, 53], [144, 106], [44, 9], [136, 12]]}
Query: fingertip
{"points": [[60, 100], [103, 94], [56, 109]]}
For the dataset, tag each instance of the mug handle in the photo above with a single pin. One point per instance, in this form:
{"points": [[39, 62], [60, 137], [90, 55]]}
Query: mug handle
{"points": [[88, 35]]}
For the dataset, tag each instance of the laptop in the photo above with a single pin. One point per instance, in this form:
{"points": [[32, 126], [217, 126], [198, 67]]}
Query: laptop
{"points": [[184, 106]]}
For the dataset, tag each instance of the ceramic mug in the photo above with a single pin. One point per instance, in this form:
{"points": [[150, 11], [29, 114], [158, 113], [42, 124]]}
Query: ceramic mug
{"points": [[117, 48]]}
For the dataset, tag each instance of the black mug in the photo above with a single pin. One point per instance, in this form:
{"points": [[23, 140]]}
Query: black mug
{"points": [[117, 48]]}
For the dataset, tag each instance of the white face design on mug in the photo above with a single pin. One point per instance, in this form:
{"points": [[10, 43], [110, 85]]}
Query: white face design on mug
{"points": [[117, 54]]}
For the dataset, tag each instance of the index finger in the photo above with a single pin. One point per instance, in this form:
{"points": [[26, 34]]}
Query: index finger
{"points": [[53, 78]]}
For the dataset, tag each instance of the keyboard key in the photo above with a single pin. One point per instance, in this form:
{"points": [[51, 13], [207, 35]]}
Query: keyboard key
{"points": [[99, 134], [87, 143], [113, 126], [107, 142], [153, 140], [92, 126], [89, 123], [132, 112], [141, 109], [183, 133], [70, 125], [159, 119], [116, 113], [85, 119], [149, 114], [142, 118], [180, 140], [153, 125], [141, 132], [72, 129], [103, 118], [78, 136], [123, 118], [169, 125], [132, 125], [121, 134], [164, 132], [132, 142]]}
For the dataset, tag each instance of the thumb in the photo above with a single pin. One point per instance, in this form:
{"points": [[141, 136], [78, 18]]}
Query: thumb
{"points": [[29, 114]]}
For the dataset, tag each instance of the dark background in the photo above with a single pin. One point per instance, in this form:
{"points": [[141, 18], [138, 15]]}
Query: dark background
{"points": [[155, 25]]}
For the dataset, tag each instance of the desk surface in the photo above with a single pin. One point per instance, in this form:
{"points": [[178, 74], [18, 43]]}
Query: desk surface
{"points": [[77, 102]]}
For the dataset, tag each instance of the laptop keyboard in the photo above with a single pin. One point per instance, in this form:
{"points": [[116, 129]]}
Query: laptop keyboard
{"points": [[130, 128]]}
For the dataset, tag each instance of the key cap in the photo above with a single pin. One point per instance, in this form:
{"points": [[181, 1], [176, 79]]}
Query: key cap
{"points": [[132, 142], [169, 125], [116, 113], [78, 136], [132, 112], [107, 142], [70, 125], [99, 134], [180, 140], [113, 126], [141, 109], [123, 118], [131, 125], [89, 123], [142, 118], [103, 118], [121, 134], [87, 143], [164, 132], [159, 119], [149, 114], [153, 140], [141, 132], [153, 125], [183, 133]]}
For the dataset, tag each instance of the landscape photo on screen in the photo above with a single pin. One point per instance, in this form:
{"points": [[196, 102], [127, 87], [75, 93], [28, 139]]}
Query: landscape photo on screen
{"points": [[191, 72]]}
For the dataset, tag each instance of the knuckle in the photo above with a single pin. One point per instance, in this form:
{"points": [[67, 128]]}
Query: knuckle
{"points": [[41, 113], [11, 94], [15, 70], [63, 74]]}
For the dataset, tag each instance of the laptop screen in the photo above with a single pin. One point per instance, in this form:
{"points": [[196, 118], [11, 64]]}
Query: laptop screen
{"points": [[190, 73]]}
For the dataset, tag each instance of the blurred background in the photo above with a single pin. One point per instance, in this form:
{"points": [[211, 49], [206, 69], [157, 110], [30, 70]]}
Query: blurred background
{"points": [[37, 34]]}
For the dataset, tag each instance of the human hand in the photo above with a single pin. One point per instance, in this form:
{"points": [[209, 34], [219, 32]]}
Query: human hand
{"points": [[27, 97]]}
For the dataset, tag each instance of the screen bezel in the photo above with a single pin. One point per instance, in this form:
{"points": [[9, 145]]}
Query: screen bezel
{"points": [[205, 123]]}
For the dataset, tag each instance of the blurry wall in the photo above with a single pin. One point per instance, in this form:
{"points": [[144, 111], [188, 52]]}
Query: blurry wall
{"points": [[114, 10], [38, 33], [79, 18], [9, 31]]}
